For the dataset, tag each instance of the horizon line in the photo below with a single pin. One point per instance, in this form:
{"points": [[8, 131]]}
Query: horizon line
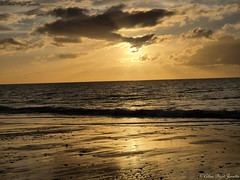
{"points": [[104, 81]]}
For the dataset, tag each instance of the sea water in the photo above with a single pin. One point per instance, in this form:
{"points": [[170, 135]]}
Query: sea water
{"points": [[203, 98]]}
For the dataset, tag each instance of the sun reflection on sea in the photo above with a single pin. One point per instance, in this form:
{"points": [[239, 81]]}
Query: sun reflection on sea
{"points": [[133, 148]]}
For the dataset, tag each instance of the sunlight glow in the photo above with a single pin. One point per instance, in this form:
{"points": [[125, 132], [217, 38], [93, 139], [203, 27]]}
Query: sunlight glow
{"points": [[133, 50]]}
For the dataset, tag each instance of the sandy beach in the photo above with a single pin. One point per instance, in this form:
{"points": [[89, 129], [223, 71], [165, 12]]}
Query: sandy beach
{"points": [[50, 147]]}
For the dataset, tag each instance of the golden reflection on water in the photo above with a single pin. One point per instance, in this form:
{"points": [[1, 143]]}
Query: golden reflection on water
{"points": [[125, 148], [130, 146]]}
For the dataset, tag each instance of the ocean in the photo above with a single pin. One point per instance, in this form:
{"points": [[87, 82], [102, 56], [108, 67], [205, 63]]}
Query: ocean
{"points": [[198, 98]]}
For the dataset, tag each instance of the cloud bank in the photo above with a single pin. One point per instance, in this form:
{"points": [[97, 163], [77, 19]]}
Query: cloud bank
{"points": [[77, 22], [224, 51]]}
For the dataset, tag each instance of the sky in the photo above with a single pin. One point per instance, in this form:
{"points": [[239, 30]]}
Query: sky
{"points": [[109, 40]]}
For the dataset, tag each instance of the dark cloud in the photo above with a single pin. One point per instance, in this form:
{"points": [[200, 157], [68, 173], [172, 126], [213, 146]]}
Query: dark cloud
{"points": [[67, 56], [66, 40], [198, 33], [69, 13], [76, 22], [136, 18], [139, 41], [223, 51]]}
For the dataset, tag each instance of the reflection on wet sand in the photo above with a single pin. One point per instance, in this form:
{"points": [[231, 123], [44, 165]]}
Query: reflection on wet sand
{"points": [[88, 148]]}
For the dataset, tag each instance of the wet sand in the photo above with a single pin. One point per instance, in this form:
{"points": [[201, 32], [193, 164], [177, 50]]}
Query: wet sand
{"points": [[118, 148]]}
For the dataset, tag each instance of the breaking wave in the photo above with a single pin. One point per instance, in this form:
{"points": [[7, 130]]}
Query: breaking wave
{"points": [[142, 113]]}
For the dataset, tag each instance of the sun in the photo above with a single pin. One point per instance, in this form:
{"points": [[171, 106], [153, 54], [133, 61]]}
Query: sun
{"points": [[137, 55], [133, 50], [132, 54]]}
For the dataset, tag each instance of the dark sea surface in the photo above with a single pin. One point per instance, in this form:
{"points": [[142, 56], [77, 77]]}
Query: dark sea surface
{"points": [[202, 98]]}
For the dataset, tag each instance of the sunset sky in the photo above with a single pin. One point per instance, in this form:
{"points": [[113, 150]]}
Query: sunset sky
{"points": [[111, 40]]}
